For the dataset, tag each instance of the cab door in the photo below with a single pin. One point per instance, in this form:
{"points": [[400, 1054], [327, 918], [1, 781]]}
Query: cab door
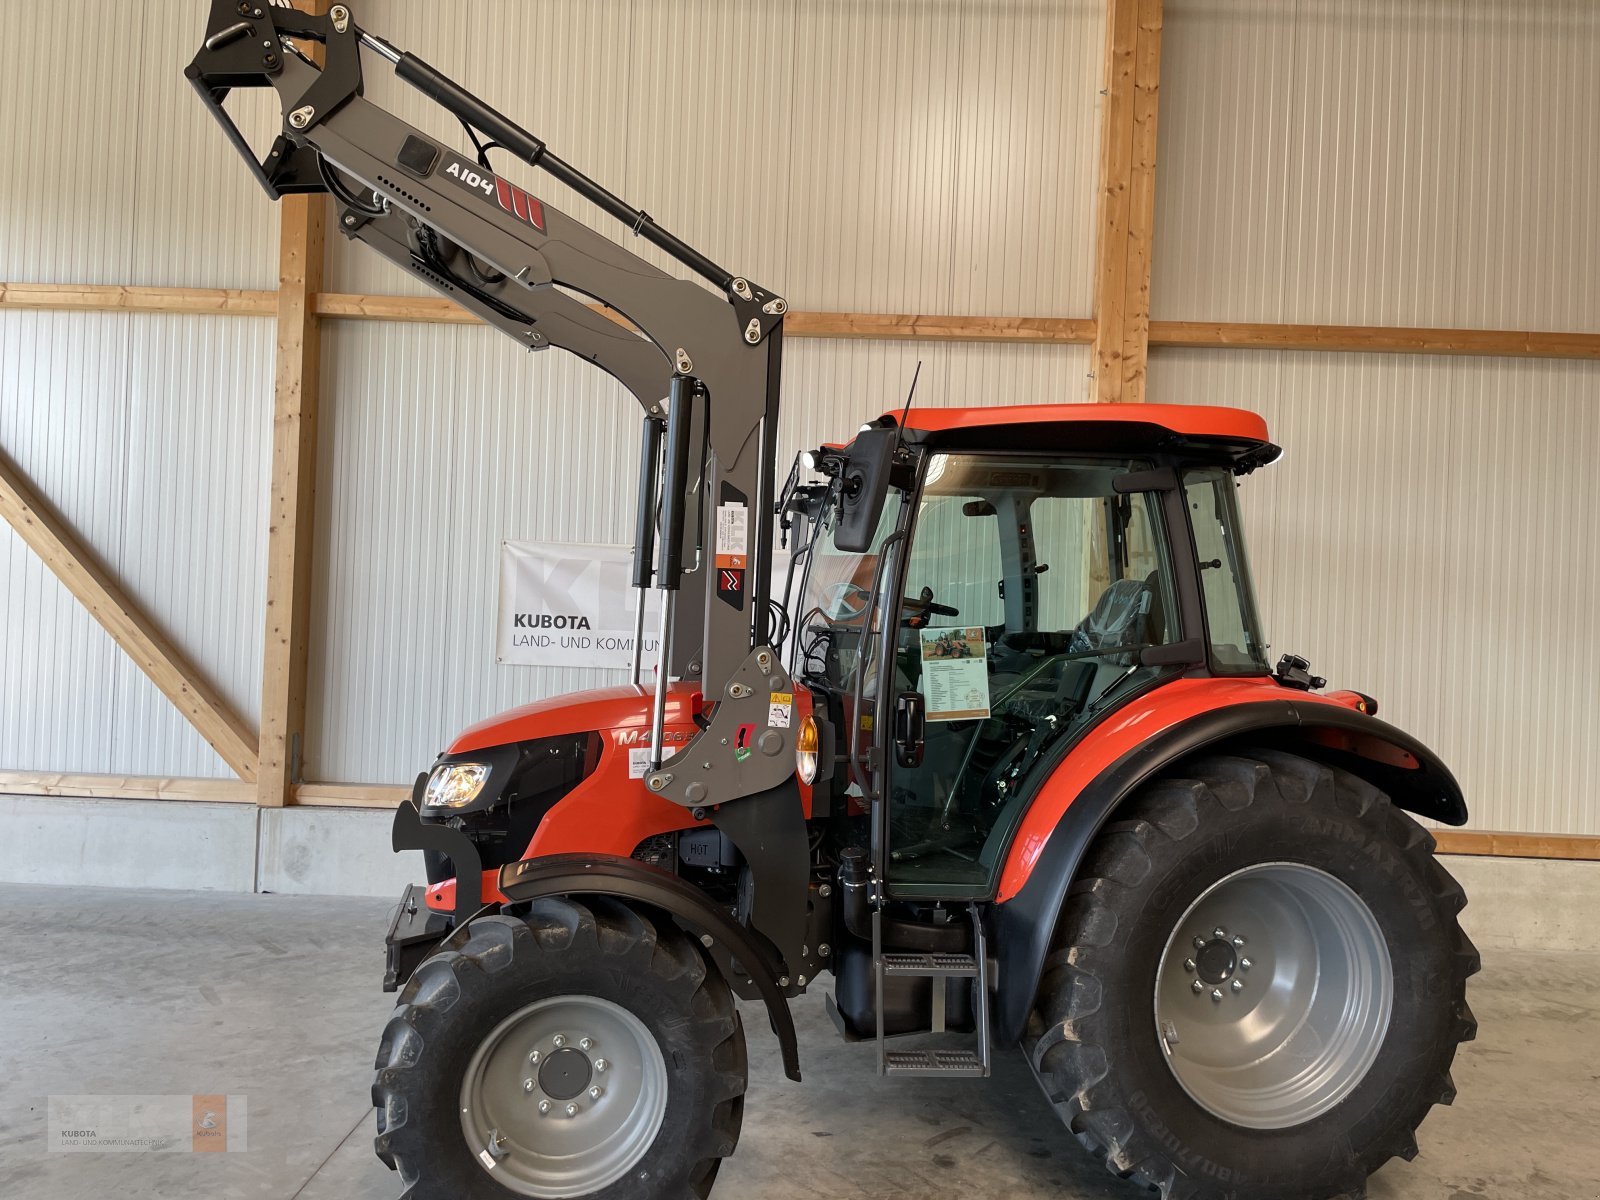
{"points": [[1030, 588]]}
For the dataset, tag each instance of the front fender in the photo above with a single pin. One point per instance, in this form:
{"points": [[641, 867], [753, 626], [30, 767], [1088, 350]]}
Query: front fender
{"points": [[1025, 919], [629, 879]]}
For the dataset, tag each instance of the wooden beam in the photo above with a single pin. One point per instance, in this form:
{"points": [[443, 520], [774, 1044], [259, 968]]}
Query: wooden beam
{"points": [[1367, 339], [302, 252], [126, 787], [1518, 845], [1382, 339], [886, 326], [1484, 843], [86, 297], [1126, 223], [290, 515], [76, 567], [349, 795]]}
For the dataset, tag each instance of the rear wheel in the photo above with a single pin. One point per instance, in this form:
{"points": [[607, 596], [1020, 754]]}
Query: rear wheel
{"points": [[580, 1051], [1258, 984]]}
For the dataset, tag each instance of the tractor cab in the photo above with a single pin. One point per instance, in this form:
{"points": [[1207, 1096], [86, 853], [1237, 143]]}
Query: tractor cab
{"points": [[1030, 571]]}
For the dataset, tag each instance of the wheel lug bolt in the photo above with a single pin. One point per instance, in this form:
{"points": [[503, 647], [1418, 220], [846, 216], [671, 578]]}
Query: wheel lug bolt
{"points": [[600, 1064], [1245, 963], [1219, 932], [1197, 987], [595, 1093], [1238, 985], [1238, 940], [585, 1043], [533, 1058], [1188, 964], [572, 1110], [1216, 993], [544, 1108], [1199, 943], [559, 1040], [527, 1086]]}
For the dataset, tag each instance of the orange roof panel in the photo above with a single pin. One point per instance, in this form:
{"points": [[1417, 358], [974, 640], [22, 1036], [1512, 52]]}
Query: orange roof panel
{"points": [[1185, 420]]}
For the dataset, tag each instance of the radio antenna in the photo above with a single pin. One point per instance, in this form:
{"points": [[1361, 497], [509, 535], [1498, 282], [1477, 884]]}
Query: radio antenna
{"points": [[904, 412]]}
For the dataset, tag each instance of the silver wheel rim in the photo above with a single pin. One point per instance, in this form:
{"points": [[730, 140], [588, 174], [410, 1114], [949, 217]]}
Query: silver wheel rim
{"points": [[564, 1096], [1273, 995]]}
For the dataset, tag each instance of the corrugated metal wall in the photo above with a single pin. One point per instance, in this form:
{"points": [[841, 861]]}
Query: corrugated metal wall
{"points": [[1428, 536], [888, 156], [446, 441], [149, 433], [1323, 160], [930, 156], [1368, 163]]}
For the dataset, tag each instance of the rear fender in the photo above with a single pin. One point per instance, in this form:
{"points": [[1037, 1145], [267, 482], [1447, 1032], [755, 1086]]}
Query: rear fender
{"points": [[1024, 922], [727, 942]]}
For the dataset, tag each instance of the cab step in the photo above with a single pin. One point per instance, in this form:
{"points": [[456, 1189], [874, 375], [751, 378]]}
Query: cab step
{"points": [[947, 966], [940, 1064], [940, 967]]}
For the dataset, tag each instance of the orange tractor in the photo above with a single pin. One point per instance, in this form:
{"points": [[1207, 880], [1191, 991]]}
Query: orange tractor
{"points": [[1003, 752]]}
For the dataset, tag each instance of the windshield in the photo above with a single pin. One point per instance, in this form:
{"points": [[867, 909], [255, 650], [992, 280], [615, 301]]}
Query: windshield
{"points": [[834, 602]]}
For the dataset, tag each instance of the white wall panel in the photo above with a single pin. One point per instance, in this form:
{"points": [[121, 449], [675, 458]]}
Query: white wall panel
{"points": [[1427, 539], [442, 442], [193, 550], [103, 150], [63, 423], [149, 435], [1358, 162], [888, 156]]}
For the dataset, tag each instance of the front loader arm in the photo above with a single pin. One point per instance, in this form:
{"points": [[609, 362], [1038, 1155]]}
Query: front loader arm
{"points": [[512, 259], [535, 318]]}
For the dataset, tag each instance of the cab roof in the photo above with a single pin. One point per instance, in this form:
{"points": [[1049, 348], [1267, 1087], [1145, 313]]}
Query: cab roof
{"points": [[1208, 431]]}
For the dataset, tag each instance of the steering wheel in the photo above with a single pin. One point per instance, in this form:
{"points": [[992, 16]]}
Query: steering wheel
{"points": [[917, 609], [845, 600]]}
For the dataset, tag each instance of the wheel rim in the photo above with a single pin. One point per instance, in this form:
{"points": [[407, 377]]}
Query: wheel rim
{"points": [[564, 1096], [1273, 995]]}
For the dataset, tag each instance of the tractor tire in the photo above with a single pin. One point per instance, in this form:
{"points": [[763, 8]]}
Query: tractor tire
{"points": [[578, 1049], [1257, 984]]}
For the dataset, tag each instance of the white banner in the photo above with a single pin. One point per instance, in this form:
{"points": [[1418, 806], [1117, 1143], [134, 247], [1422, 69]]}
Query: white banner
{"points": [[570, 604]]}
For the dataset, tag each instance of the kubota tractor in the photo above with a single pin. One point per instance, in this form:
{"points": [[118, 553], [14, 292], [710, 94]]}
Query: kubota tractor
{"points": [[1004, 754]]}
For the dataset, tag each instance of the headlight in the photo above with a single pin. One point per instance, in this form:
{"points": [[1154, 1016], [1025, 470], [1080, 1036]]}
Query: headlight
{"points": [[455, 785], [805, 751]]}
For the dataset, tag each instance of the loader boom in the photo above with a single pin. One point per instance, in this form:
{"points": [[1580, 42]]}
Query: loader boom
{"points": [[522, 265]]}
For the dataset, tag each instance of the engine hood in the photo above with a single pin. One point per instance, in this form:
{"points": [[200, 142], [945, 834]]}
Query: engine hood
{"points": [[602, 709]]}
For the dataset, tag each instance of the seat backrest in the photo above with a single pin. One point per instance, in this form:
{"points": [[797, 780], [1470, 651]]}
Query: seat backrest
{"points": [[1120, 617]]}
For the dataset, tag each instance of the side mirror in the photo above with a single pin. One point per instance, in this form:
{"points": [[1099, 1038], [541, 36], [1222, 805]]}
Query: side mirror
{"points": [[910, 728], [866, 484]]}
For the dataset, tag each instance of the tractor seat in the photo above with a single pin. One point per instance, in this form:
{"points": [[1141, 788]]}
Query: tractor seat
{"points": [[1128, 613]]}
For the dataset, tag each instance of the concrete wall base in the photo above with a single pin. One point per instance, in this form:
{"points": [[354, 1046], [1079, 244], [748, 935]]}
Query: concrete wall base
{"points": [[201, 847], [1513, 903]]}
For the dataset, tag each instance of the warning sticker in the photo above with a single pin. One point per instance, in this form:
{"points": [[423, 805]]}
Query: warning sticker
{"points": [[780, 710], [638, 762], [733, 535]]}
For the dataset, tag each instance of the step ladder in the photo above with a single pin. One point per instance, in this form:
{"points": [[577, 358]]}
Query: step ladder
{"points": [[938, 967]]}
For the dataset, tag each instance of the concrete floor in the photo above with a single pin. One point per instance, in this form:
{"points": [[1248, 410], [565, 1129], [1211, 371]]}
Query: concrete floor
{"points": [[276, 997]]}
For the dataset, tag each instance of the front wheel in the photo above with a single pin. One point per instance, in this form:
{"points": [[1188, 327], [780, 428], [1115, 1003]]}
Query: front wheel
{"points": [[1257, 986], [580, 1050]]}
